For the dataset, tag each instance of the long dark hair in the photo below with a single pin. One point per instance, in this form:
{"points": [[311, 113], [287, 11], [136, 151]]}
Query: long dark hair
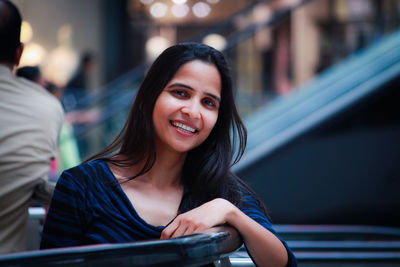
{"points": [[206, 171]]}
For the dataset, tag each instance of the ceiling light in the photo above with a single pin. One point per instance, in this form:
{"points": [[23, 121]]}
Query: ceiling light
{"points": [[180, 11], [26, 32], [215, 40], [155, 45], [146, 2], [179, 2], [33, 55], [201, 9], [158, 10]]}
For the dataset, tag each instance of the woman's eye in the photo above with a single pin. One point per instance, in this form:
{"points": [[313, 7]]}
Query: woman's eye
{"points": [[180, 93], [209, 102]]}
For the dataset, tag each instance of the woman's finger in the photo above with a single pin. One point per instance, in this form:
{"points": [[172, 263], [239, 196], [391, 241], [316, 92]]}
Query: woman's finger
{"points": [[189, 230], [199, 228], [169, 230], [180, 230]]}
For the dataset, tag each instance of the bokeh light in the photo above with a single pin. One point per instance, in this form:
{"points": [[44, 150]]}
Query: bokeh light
{"points": [[215, 40], [179, 2], [60, 65], [158, 10], [201, 9], [180, 11], [26, 32], [155, 45], [32, 55], [146, 2]]}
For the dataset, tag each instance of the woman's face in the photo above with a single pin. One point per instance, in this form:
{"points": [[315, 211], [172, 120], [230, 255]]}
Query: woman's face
{"points": [[187, 109]]}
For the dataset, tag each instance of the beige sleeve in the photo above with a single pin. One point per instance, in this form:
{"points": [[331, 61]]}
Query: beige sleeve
{"points": [[43, 192]]}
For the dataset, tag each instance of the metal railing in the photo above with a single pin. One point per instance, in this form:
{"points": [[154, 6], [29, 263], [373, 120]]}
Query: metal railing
{"points": [[214, 245], [313, 245]]}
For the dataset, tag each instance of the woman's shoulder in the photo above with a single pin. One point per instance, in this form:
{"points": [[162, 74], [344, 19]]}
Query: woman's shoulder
{"points": [[86, 171], [85, 178], [85, 166]]}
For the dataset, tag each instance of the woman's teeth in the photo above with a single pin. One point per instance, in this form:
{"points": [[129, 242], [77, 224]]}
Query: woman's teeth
{"points": [[183, 127]]}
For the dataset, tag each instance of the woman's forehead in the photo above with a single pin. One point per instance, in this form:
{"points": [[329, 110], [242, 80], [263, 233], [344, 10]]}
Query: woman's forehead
{"points": [[198, 75]]}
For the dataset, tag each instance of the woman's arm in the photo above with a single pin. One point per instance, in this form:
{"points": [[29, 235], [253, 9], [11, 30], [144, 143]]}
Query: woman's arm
{"points": [[265, 248]]}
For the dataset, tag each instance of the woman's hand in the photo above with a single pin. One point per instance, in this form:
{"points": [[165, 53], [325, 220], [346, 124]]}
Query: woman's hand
{"points": [[210, 214], [266, 249]]}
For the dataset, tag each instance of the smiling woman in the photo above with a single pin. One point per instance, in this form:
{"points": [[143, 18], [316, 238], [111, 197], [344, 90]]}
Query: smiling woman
{"points": [[187, 109], [167, 174]]}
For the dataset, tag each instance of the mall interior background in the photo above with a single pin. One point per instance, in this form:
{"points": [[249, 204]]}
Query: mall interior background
{"points": [[275, 49]]}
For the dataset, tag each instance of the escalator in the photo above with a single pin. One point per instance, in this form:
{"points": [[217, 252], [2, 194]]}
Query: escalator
{"points": [[329, 154]]}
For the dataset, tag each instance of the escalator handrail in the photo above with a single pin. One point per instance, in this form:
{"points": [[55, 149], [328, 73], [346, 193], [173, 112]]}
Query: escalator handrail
{"points": [[271, 127]]}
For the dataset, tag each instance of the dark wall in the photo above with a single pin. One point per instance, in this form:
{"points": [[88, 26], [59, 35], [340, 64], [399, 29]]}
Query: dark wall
{"points": [[125, 37]]}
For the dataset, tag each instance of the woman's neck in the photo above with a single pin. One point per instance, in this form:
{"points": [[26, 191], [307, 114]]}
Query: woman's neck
{"points": [[166, 171]]}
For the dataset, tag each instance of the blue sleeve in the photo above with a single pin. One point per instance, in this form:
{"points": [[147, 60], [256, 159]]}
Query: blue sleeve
{"points": [[251, 208], [67, 215]]}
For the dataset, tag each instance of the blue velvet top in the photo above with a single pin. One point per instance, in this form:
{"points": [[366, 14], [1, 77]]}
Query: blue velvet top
{"points": [[89, 207]]}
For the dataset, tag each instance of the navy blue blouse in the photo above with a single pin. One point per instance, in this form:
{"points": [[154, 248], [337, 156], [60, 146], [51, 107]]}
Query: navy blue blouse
{"points": [[89, 207]]}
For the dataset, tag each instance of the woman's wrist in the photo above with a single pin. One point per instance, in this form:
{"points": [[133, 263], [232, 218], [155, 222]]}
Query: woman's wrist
{"points": [[232, 212]]}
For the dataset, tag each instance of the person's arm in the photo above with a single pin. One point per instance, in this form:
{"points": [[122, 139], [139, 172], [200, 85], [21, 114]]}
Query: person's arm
{"points": [[43, 192], [264, 247]]}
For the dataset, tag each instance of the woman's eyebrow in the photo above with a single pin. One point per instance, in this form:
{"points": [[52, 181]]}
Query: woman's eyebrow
{"points": [[214, 96], [180, 85]]}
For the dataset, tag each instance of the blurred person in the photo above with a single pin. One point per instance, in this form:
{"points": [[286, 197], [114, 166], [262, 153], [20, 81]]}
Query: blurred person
{"points": [[30, 121], [79, 113], [167, 174], [32, 73], [54, 90], [68, 147], [276, 62], [77, 87], [281, 74]]}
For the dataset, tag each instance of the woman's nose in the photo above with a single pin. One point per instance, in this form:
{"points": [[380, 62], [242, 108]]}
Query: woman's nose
{"points": [[192, 109]]}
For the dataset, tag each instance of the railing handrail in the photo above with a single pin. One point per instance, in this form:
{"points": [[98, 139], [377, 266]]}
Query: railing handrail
{"points": [[328, 257], [337, 229], [342, 245], [206, 247]]}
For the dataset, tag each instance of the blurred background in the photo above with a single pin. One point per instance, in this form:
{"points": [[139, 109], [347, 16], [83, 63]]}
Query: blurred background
{"points": [[316, 82]]}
